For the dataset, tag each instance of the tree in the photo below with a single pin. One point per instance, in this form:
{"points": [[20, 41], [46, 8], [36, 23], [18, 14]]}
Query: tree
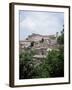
{"points": [[26, 66], [42, 40], [32, 44], [55, 63], [60, 39]]}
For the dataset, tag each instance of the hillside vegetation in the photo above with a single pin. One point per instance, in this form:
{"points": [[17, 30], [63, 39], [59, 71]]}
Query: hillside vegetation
{"points": [[53, 65]]}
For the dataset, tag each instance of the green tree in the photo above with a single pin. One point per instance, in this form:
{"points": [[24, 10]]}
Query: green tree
{"points": [[32, 44], [55, 63], [60, 39], [42, 40], [26, 66]]}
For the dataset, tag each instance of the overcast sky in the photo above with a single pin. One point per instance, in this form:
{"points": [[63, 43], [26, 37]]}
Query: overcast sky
{"points": [[44, 23]]}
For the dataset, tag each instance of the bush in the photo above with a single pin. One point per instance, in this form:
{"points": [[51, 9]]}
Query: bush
{"points": [[26, 67], [55, 63]]}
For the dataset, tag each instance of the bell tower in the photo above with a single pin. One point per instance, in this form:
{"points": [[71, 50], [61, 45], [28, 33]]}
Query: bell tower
{"points": [[57, 35]]}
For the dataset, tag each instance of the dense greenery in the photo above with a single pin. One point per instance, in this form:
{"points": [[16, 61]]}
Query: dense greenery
{"points": [[60, 39], [26, 65], [52, 66]]}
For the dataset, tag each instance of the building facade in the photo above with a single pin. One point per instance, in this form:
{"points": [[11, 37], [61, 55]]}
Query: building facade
{"points": [[40, 43]]}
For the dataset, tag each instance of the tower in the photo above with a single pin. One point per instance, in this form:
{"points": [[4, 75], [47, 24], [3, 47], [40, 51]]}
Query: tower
{"points": [[57, 35]]}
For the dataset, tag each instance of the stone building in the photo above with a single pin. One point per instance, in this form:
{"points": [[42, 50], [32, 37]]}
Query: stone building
{"points": [[40, 43]]}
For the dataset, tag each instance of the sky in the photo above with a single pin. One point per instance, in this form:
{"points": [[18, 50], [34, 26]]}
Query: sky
{"points": [[40, 22]]}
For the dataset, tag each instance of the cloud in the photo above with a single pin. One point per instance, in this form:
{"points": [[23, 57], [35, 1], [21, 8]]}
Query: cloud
{"points": [[40, 22], [27, 23]]}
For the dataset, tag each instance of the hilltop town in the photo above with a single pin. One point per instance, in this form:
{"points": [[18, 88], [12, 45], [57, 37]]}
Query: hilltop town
{"points": [[40, 43]]}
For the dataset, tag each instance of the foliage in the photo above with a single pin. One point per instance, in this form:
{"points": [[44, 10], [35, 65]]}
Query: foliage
{"points": [[55, 63], [60, 39], [32, 44], [26, 67], [52, 65], [42, 40], [55, 59]]}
